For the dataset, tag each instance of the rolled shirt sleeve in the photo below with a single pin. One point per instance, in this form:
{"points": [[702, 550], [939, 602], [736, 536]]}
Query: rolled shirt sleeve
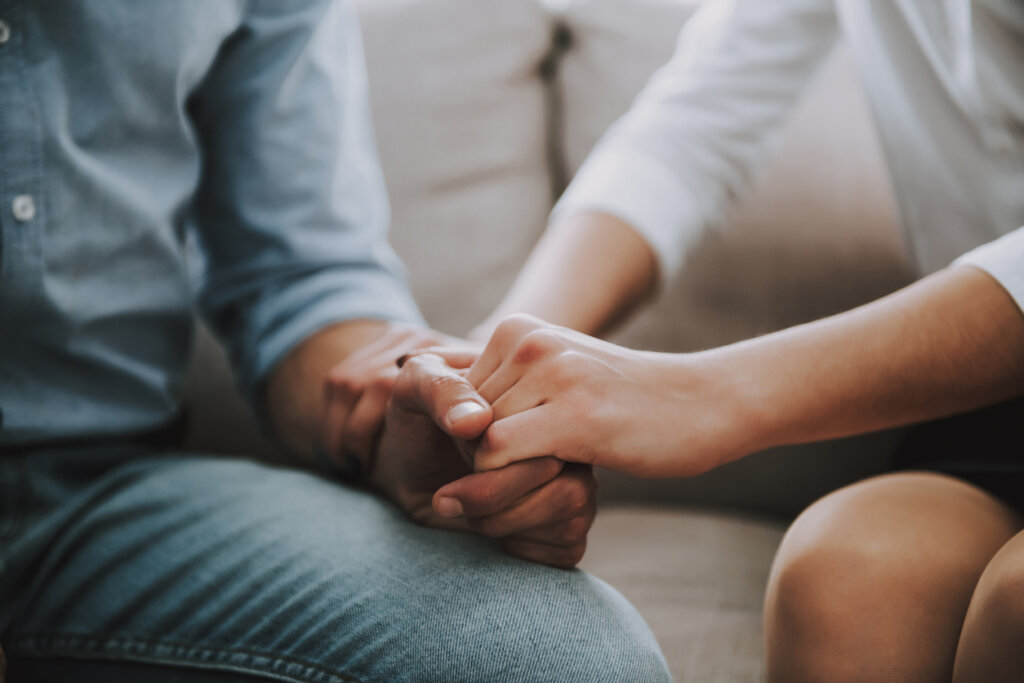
{"points": [[291, 212], [687, 148], [1003, 259]]}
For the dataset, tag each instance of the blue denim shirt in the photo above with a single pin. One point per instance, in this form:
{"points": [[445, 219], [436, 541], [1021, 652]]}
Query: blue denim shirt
{"points": [[131, 130]]}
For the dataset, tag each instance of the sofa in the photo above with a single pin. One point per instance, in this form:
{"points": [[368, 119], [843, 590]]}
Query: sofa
{"points": [[483, 111]]}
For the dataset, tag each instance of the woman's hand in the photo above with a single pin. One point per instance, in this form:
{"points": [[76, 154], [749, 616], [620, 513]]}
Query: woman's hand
{"points": [[557, 392]]}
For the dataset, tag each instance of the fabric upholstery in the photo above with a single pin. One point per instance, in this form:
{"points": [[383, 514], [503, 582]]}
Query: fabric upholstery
{"points": [[461, 124], [698, 578]]}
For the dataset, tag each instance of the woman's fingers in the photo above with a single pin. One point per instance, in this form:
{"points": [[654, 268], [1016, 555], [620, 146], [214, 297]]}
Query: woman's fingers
{"points": [[502, 345], [529, 434]]}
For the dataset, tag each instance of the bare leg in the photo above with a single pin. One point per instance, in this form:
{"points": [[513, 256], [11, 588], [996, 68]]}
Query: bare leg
{"points": [[992, 643], [872, 582]]}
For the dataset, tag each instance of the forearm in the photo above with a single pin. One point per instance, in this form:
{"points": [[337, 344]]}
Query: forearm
{"points": [[294, 392], [950, 343], [589, 270]]}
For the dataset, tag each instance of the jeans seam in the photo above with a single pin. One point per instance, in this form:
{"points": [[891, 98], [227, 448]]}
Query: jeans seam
{"points": [[237, 659]]}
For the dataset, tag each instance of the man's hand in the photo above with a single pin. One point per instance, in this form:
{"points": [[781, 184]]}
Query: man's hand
{"points": [[357, 390]]}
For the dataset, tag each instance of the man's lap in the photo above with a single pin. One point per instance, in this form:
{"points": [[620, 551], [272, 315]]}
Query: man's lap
{"points": [[229, 564]]}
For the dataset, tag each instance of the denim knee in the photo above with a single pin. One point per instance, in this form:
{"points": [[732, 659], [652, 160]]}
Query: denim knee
{"points": [[554, 625]]}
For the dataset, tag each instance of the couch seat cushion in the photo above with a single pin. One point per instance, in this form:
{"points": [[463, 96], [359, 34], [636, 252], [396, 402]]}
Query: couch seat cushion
{"points": [[697, 577]]}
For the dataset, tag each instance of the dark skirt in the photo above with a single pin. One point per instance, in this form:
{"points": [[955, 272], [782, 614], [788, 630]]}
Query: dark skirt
{"points": [[985, 448]]}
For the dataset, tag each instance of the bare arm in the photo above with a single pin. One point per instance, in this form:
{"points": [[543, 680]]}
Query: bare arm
{"points": [[589, 270], [950, 343], [673, 164]]}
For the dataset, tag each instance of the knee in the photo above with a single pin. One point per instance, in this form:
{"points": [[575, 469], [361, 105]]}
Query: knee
{"points": [[989, 648], [998, 602], [835, 551], [572, 627], [838, 590]]}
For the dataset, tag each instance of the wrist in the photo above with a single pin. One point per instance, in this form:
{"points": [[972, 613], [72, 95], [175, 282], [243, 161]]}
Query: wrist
{"points": [[726, 401]]}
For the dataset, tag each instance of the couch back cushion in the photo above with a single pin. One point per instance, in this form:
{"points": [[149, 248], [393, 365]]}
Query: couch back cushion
{"points": [[460, 110]]}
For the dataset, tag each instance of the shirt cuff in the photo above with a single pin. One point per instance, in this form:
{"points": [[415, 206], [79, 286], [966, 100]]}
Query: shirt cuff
{"points": [[647, 195], [1003, 259]]}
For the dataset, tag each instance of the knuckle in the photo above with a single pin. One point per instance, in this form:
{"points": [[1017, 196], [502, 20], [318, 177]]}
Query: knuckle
{"points": [[384, 383], [575, 497], [575, 530], [516, 325], [537, 344], [420, 363], [483, 496], [341, 382], [440, 384], [493, 440], [428, 375]]}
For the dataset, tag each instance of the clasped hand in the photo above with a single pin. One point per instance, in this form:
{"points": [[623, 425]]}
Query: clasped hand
{"points": [[415, 430]]}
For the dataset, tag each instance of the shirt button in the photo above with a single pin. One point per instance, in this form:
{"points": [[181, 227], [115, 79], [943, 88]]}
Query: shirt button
{"points": [[5, 32], [24, 208]]}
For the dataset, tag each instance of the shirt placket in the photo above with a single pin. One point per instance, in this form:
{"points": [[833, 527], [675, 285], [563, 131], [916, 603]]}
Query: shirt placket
{"points": [[21, 170]]}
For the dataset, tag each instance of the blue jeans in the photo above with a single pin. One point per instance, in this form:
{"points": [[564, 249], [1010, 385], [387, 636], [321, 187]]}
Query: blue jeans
{"points": [[192, 566]]}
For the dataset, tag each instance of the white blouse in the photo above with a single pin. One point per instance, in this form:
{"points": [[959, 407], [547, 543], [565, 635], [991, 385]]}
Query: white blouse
{"points": [[945, 79]]}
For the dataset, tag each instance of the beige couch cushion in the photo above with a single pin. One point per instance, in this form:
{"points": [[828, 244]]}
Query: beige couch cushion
{"points": [[460, 113], [611, 53], [697, 578]]}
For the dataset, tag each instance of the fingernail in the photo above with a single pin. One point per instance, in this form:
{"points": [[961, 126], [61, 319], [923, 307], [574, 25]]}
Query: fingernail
{"points": [[463, 410], [449, 507]]}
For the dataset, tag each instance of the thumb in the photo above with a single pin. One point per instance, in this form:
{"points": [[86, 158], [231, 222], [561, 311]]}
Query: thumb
{"points": [[430, 386]]}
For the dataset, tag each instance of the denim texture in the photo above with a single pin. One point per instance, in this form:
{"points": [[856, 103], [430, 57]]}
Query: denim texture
{"points": [[232, 565]]}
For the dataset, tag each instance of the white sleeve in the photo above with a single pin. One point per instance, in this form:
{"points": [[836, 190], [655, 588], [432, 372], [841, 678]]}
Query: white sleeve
{"points": [[685, 150], [1003, 259]]}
